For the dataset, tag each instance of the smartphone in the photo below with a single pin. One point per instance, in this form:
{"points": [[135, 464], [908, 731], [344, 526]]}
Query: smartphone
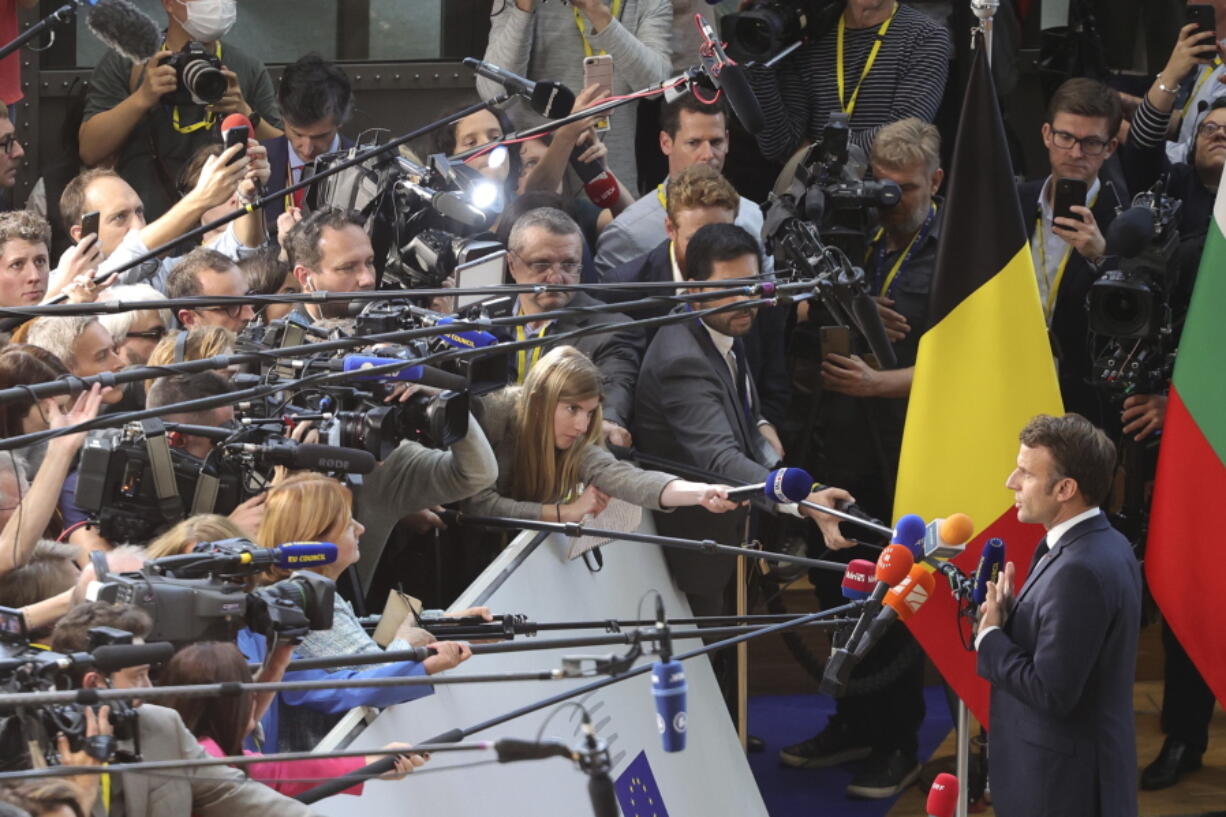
{"points": [[237, 136], [836, 340], [486, 271], [90, 223], [1069, 193], [1203, 15], [598, 70]]}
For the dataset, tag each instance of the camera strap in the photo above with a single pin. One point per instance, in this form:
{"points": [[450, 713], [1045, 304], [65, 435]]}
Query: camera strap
{"points": [[210, 119], [162, 467]]}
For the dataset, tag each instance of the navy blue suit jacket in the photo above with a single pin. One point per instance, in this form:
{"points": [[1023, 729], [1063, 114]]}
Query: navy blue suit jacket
{"points": [[1063, 739], [278, 175]]}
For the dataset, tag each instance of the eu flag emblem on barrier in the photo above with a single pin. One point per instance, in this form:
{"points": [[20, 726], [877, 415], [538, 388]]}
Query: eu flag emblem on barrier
{"points": [[637, 792]]}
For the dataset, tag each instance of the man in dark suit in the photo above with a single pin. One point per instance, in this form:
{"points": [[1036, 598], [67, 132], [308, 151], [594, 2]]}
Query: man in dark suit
{"points": [[1061, 654], [696, 404], [545, 246], [1080, 135], [316, 100]]}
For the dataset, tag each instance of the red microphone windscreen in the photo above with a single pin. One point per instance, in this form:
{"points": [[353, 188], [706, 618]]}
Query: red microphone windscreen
{"points": [[237, 120], [894, 563], [858, 579], [943, 796], [603, 190]]}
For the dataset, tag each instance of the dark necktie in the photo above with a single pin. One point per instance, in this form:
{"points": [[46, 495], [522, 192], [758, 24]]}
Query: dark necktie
{"points": [[742, 384], [1039, 552]]}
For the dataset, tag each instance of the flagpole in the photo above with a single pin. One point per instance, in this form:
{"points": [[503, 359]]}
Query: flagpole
{"points": [[985, 10]]}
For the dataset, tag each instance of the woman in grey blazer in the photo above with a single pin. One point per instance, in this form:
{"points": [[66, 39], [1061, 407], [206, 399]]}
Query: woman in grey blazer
{"points": [[551, 463]]}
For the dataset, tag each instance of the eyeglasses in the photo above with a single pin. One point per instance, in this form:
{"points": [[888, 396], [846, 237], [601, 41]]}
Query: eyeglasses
{"points": [[540, 269], [233, 310], [6, 144], [1210, 129], [156, 333], [1090, 145]]}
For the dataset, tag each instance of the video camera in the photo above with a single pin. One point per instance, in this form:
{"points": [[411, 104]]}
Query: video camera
{"points": [[766, 27], [201, 81], [203, 596], [1131, 315]]}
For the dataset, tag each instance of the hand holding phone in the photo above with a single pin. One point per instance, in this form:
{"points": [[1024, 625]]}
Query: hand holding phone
{"points": [[1069, 193], [1202, 14], [237, 136], [90, 223]]}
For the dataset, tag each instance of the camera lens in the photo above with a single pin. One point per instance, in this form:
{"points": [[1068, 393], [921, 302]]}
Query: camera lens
{"points": [[1124, 311], [204, 81]]}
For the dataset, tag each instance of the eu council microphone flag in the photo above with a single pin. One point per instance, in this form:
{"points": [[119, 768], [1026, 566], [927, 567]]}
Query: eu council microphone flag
{"points": [[984, 368], [1192, 472]]}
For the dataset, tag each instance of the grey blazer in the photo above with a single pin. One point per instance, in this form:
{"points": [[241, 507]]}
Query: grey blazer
{"points": [[615, 477], [1063, 740], [687, 410], [209, 791]]}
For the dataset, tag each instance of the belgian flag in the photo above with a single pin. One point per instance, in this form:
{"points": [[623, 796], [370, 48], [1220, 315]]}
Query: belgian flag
{"points": [[984, 368], [1182, 553]]}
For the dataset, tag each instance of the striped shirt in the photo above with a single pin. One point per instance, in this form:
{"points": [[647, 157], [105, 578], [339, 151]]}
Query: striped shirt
{"points": [[907, 79]]}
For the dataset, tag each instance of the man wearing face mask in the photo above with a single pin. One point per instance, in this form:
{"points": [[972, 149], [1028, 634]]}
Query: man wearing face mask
{"points": [[126, 117]]}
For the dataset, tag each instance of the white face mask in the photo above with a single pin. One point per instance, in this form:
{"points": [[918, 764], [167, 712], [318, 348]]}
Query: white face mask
{"points": [[209, 20]]}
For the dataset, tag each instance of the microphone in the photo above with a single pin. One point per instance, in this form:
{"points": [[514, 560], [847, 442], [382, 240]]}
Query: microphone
{"points": [[235, 554], [945, 539], [123, 27], [551, 100], [427, 375], [668, 688], [892, 567], [452, 204], [599, 184], [113, 657], [466, 338], [311, 456], [943, 796], [595, 761], [782, 485], [1130, 232], [909, 532], [858, 580], [900, 604], [991, 562], [512, 749], [729, 77]]}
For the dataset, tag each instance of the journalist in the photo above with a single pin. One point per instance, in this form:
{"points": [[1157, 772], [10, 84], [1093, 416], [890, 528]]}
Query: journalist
{"points": [[136, 332], [132, 111], [205, 273], [878, 62], [552, 463]]}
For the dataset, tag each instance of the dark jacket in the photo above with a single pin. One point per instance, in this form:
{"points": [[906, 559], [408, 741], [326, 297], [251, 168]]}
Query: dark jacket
{"points": [[1063, 739], [687, 410], [278, 175]]}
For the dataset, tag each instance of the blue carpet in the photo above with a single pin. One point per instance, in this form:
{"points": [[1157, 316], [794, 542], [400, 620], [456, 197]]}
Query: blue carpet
{"points": [[782, 720]]}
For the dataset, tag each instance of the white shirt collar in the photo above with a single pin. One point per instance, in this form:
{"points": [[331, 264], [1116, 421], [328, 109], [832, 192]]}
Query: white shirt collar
{"points": [[1056, 533], [723, 343], [296, 162]]}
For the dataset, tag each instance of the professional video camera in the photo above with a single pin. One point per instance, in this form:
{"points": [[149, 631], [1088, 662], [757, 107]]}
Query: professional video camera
{"points": [[766, 27], [201, 81], [1131, 314], [27, 669], [135, 484], [203, 595]]}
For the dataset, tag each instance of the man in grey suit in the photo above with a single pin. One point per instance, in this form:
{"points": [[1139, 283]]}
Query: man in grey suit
{"points": [[1061, 655], [696, 404]]}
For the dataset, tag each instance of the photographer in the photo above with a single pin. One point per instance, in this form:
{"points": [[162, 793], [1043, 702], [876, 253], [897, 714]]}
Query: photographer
{"points": [[549, 40], [128, 117], [312, 507], [881, 61]]}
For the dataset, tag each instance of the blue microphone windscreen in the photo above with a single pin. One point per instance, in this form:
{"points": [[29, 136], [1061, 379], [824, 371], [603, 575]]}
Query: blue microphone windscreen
{"points": [[468, 338], [354, 363], [788, 485], [908, 530], [296, 555]]}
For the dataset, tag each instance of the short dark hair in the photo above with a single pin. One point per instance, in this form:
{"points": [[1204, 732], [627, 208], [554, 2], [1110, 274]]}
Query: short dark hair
{"points": [[265, 271], [1087, 97], [179, 388], [222, 718], [718, 242], [443, 140], [71, 633], [184, 279], [1079, 449], [72, 200], [670, 114], [302, 243], [312, 89]]}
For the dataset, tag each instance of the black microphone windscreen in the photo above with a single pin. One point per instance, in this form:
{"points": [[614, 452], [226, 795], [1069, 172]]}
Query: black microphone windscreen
{"points": [[735, 84], [332, 458], [123, 27], [1131, 232], [113, 657], [552, 100]]}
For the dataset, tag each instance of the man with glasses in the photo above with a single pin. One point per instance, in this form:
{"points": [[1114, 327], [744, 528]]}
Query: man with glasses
{"points": [[1080, 135], [546, 247], [205, 273], [136, 332], [11, 151]]}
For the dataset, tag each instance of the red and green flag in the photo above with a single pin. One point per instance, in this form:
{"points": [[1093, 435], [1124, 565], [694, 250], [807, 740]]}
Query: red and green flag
{"points": [[1182, 555], [984, 368]]}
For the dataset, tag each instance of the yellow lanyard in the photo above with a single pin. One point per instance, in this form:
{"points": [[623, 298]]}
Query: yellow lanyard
{"points": [[1049, 307], [209, 118], [616, 10], [662, 195], [844, 105], [902, 257], [105, 784], [527, 358], [1196, 88]]}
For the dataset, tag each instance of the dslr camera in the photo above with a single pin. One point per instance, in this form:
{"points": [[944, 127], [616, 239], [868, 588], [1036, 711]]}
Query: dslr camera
{"points": [[201, 81]]}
